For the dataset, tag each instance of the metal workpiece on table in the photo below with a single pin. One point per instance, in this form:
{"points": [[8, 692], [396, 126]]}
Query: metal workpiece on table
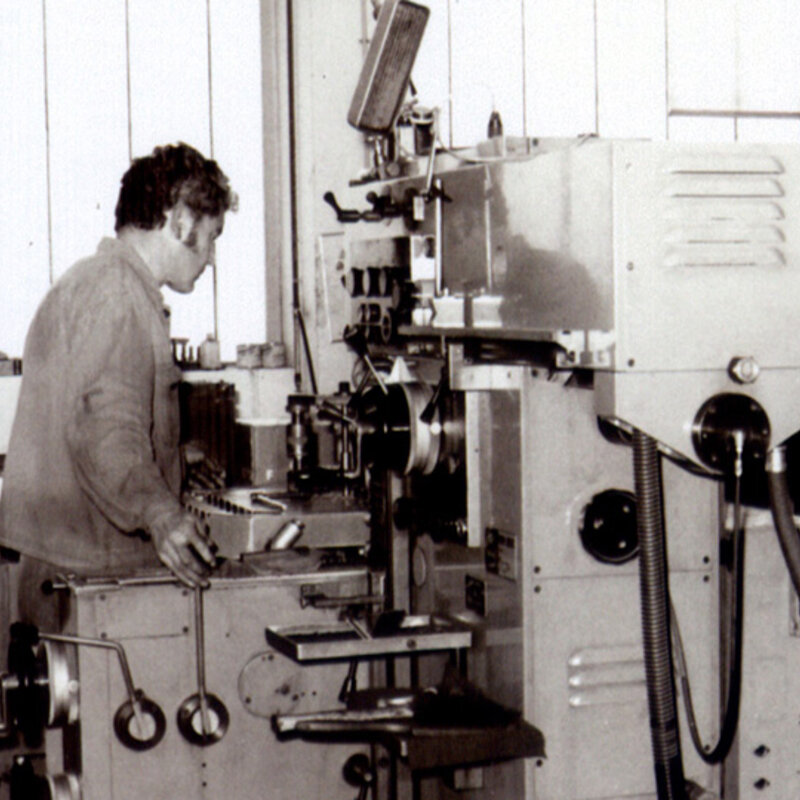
{"points": [[202, 718], [287, 535], [246, 520]]}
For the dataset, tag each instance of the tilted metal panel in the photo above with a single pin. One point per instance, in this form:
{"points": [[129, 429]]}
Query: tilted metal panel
{"points": [[551, 242]]}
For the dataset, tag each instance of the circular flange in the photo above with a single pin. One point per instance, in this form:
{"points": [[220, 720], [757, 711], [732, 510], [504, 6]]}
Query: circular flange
{"points": [[126, 725], [271, 684], [608, 530], [717, 422], [190, 719]]}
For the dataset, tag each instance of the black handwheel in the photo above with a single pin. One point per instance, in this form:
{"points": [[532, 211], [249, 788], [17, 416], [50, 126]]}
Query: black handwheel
{"points": [[190, 720], [126, 724]]}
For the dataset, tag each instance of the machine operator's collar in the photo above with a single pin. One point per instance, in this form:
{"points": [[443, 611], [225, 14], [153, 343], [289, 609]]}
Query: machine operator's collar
{"points": [[121, 250]]}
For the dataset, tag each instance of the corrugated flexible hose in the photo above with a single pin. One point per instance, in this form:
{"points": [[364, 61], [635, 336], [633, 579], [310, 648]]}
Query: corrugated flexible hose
{"points": [[654, 593]]}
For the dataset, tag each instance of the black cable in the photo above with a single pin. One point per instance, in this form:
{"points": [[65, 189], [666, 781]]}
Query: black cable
{"points": [[730, 721], [293, 199], [306, 349]]}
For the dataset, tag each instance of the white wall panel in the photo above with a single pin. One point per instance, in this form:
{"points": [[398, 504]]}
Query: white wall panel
{"points": [[560, 67], [631, 70], [91, 136], [168, 73], [169, 99], [88, 140], [768, 130], [277, 169], [328, 53], [431, 74], [702, 54], [768, 68], [487, 67], [734, 55], [238, 147], [24, 256], [702, 129]]}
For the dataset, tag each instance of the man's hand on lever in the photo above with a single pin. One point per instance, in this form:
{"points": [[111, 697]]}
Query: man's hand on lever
{"points": [[182, 547]]}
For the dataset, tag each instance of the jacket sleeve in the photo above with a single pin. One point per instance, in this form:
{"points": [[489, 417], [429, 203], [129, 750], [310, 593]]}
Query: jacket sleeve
{"points": [[110, 420]]}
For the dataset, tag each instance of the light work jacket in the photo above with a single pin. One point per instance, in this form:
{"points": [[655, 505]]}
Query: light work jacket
{"points": [[94, 458]]}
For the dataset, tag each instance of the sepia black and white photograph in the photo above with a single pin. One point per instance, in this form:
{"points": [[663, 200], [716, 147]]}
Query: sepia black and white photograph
{"points": [[399, 400]]}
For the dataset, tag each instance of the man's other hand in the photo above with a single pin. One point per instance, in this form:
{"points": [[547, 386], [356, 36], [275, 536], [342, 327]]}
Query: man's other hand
{"points": [[182, 547]]}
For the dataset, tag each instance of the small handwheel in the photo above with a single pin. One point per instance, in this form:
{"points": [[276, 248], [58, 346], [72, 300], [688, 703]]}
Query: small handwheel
{"points": [[129, 730], [190, 720]]}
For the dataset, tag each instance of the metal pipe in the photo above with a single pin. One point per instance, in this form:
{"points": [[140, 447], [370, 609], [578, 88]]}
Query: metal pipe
{"points": [[654, 593], [438, 266], [200, 655]]}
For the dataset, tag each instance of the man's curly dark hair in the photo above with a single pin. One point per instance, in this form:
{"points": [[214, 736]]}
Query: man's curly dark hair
{"points": [[174, 173]]}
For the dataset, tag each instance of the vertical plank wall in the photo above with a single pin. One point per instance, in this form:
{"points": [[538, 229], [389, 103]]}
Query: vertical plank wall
{"points": [[88, 84], [24, 191]]}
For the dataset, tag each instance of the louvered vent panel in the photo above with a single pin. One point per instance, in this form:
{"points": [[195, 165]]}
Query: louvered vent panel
{"points": [[606, 675], [724, 210]]}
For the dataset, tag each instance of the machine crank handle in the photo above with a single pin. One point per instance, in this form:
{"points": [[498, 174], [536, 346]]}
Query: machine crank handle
{"points": [[351, 214], [103, 643], [38, 692], [342, 214], [384, 205], [150, 723], [203, 718]]}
